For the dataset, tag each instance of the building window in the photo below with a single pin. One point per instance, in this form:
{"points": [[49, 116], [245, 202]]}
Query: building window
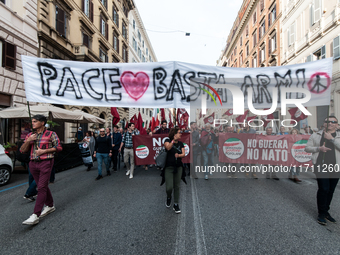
{"points": [[103, 56], [241, 59], [134, 24], [315, 11], [115, 16], [336, 47], [247, 49], [104, 28], [272, 43], [124, 30], [125, 10], [125, 54], [8, 53], [254, 18], [247, 31], [272, 16], [87, 7], [134, 44], [3, 1], [320, 53], [254, 38], [255, 60], [139, 36], [87, 40], [60, 21], [116, 42], [147, 51], [150, 59], [262, 55], [241, 41], [139, 52], [104, 2], [262, 28], [261, 5], [143, 58]]}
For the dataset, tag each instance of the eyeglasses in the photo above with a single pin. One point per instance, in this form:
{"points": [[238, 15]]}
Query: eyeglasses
{"points": [[331, 121]]}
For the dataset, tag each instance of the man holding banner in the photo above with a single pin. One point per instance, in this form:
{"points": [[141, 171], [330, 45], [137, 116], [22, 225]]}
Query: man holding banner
{"points": [[325, 146]]}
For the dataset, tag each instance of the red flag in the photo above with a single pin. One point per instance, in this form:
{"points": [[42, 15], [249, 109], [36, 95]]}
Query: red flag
{"points": [[171, 125], [162, 114], [134, 120], [115, 115], [241, 118], [183, 122], [266, 118], [209, 119], [251, 118], [229, 112], [139, 125], [296, 114]]}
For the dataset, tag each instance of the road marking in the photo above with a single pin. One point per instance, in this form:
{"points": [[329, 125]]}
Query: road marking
{"points": [[180, 235], [14, 187], [200, 240]]}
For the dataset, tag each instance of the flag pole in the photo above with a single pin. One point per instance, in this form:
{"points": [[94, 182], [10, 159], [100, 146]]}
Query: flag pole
{"points": [[324, 144], [175, 116]]}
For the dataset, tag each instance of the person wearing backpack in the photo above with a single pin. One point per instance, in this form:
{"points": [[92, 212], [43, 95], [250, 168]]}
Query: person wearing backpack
{"points": [[207, 143], [42, 144]]}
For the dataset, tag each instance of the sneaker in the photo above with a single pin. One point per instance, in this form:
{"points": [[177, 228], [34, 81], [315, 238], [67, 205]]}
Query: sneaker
{"points": [[131, 176], [176, 208], [88, 169], [99, 177], [29, 198], [128, 172], [330, 218], [206, 177], [322, 220], [108, 173], [168, 202], [47, 210], [150, 166], [32, 220], [254, 176]]}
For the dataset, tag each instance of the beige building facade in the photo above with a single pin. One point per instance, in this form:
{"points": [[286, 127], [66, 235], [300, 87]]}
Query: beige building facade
{"points": [[85, 30], [18, 36], [310, 31]]}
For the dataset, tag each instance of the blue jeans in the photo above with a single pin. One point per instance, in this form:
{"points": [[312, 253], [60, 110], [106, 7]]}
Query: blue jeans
{"points": [[100, 158], [32, 188], [208, 159]]}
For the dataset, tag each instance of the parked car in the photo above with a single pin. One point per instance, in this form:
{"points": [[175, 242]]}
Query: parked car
{"points": [[6, 167]]}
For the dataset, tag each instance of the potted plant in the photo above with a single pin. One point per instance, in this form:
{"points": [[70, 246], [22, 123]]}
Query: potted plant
{"points": [[10, 147]]}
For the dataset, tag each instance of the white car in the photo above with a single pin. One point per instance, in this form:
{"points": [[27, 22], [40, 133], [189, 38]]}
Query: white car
{"points": [[6, 167]]}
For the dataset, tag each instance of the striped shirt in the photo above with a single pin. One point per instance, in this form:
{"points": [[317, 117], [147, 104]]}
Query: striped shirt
{"points": [[53, 142]]}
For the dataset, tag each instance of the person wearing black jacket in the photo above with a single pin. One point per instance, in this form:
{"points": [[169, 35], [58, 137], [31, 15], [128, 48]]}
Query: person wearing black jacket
{"points": [[174, 166], [117, 139], [102, 151], [195, 138], [207, 142]]}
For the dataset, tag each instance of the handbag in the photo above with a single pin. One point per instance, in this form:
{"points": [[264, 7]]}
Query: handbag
{"points": [[161, 158]]}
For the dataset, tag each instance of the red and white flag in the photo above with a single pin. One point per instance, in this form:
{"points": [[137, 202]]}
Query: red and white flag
{"points": [[162, 114], [182, 118], [210, 119], [297, 114], [154, 121], [229, 112], [115, 115], [171, 125], [241, 118]]}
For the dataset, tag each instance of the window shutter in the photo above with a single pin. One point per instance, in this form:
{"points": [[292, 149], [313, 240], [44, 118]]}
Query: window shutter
{"points": [[270, 46], [10, 55], [83, 5], [311, 15], [336, 47], [106, 31], [323, 52], [61, 21], [309, 58], [117, 45], [269, 15], [262, 5], [317, 10], [91, 11]]}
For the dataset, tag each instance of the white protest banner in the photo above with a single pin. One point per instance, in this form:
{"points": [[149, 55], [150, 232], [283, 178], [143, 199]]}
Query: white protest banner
{"points": [[168, 84]]}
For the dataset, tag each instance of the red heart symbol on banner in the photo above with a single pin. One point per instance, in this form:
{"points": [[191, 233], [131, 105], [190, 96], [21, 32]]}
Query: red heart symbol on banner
{"points": [[135, 84]]}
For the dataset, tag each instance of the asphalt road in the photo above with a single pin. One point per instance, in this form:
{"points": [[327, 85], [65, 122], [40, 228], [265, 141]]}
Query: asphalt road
{"points": [[118, 215]]}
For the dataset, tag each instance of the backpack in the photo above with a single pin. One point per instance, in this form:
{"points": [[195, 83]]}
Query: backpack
{"points": [[22, 157]]}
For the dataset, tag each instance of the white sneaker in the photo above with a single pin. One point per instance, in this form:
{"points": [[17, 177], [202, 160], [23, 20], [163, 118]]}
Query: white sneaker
{"points": [[206, 177], [47, 210], [32, 220], [128, 172], [131, 176]]}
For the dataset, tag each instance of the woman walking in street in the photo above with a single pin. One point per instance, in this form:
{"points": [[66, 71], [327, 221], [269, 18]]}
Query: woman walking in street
{"points": [[294, 171], [174, 166]]}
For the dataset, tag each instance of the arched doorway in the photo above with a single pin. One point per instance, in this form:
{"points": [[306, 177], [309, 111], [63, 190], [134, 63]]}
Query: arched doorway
{"points": [[103, 116]]}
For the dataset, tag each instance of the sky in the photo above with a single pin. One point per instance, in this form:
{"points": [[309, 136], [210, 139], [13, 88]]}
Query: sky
{"points": [[208, 22]]}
